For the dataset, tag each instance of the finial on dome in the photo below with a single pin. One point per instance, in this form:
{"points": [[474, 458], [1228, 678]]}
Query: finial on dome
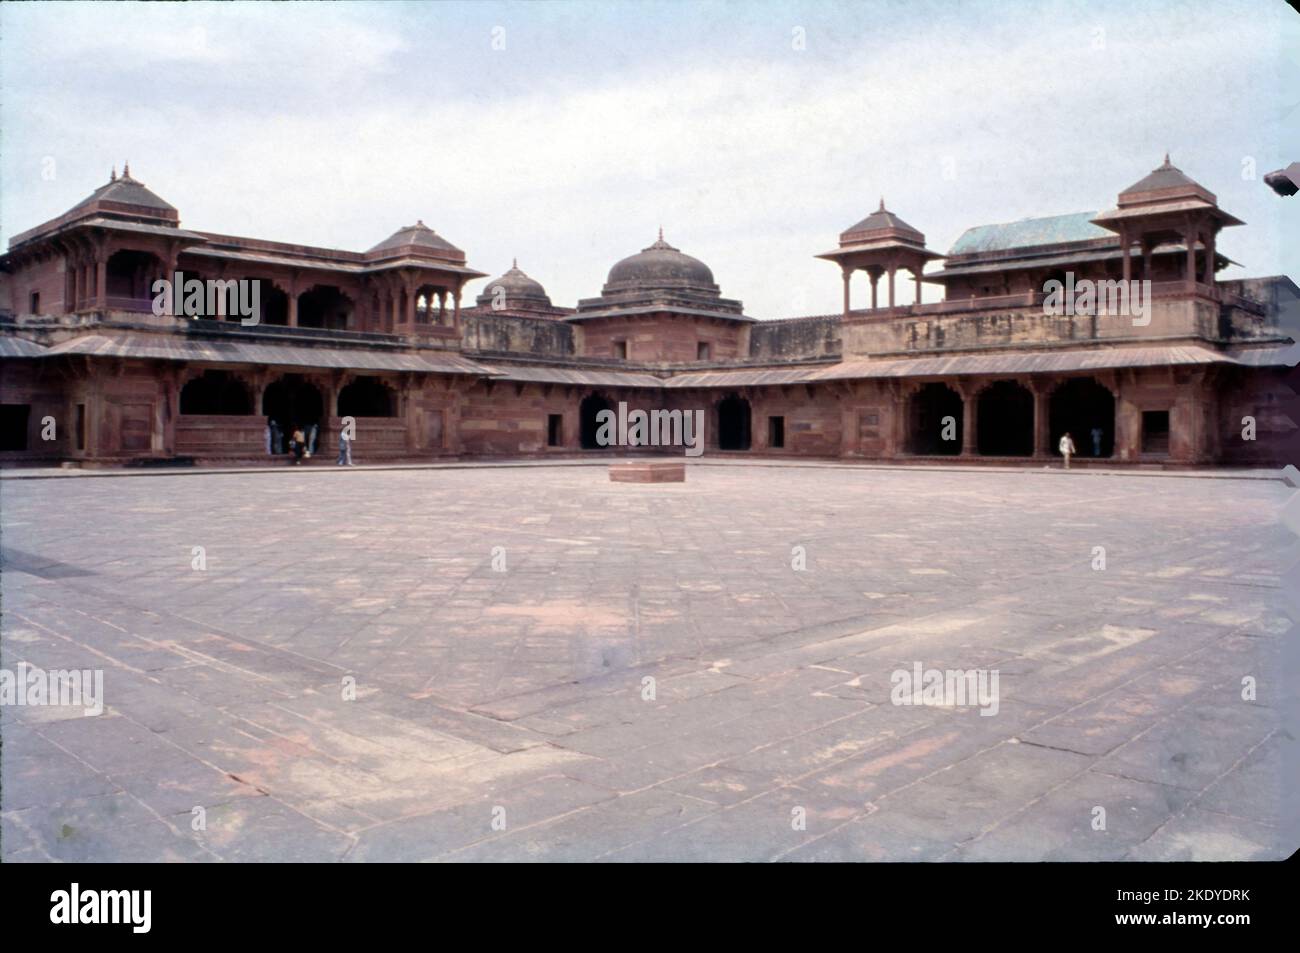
{"points": [[882, 204], [514, 263], [661, 233], [126, 169], [419, 223], [1167, 162], [112, 176]]}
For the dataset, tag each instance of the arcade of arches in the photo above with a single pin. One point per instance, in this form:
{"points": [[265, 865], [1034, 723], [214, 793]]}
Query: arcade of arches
{"points": [[1011, 418]]}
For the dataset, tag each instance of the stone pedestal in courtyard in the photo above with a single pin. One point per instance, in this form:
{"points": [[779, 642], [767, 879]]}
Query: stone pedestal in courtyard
{"points": [[648, 471]]}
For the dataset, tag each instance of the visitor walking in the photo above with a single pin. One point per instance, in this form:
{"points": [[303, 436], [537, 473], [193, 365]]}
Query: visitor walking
{"points": [[1096, 441], [311, 438], [270, 428], [277, 437], [1066, 447], [345, 448], [297, 445]]}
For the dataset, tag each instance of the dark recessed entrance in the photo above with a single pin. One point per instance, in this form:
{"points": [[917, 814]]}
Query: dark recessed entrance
{"points": [[1005, 425], [733, 423], [935, 421]]}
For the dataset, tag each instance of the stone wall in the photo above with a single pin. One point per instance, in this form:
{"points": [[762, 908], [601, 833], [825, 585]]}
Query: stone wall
{"points": [[539, 337], [794, 340]]}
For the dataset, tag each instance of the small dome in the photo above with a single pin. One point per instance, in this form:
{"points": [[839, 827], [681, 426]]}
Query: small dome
{"points": [[660, 266], [516, 288]]}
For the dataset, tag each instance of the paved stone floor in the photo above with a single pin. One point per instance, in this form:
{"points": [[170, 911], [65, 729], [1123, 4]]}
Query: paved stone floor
{"points": [[649, 677]]}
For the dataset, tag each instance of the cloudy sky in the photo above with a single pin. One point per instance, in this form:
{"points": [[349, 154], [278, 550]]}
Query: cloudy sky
{"points": [[566, 133]]}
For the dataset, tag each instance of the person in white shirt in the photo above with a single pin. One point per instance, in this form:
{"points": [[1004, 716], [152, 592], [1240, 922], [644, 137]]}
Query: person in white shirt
{"points": [[1066, 446]]}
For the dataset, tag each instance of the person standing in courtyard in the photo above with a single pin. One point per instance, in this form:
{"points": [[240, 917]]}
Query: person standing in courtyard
{"points": [[1066, 446], [297, 445], [345, 448], [1096, 441]]}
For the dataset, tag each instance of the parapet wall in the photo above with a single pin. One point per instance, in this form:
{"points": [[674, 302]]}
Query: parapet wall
{"points": [[506, 334]]}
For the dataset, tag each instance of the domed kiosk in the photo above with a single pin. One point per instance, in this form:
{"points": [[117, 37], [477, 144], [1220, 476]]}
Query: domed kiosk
{"points": [[661, 305]]}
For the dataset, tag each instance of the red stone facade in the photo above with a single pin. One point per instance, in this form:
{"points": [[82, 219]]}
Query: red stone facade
{"points": [[92, 375]]}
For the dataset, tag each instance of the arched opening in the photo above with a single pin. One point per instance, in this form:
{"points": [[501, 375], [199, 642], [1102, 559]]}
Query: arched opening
{"points": [[1005, 415], [274, 303], [324, 306], [428, 307], [935, 421], [293, 401], [1085, 410], [592, 405], [733, 423], [367, 397], [128, 279], [216, 392]]}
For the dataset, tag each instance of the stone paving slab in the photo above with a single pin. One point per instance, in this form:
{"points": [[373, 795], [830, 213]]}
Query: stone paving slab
{"points": [[529, 663]]}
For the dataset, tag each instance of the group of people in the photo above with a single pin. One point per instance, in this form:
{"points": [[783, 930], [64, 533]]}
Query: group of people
{"points": [[302, 444]]}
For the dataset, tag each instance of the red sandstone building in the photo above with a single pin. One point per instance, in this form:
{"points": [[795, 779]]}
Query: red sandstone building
{"points": [[387, 337]]}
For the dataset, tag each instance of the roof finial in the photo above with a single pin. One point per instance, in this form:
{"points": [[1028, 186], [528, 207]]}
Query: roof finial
{"points": [[514, 264], [126, 169], [1167, 163], [112, 176], [882, 203], [661, 233]]}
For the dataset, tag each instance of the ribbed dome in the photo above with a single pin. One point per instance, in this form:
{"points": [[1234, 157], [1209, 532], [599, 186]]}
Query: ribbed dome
{"points": [[660, 266]]}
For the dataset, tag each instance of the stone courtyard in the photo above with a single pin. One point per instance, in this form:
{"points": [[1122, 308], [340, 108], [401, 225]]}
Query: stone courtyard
{"points": [[534, 663]]}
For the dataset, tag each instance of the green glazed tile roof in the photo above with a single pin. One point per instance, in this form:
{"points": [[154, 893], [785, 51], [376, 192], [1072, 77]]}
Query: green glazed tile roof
{"points": [[1029, 232]]}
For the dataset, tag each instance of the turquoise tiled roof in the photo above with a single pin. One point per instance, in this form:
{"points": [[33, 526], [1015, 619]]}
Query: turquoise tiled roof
{"points": [[1030, 232]]}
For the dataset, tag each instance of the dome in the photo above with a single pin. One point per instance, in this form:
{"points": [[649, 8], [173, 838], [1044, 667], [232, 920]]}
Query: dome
{"points": [[660, 266], [515, 282], [516, 288]]}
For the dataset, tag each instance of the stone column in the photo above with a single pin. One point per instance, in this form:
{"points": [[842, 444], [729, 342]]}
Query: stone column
{"points": [[73, 274], [848, 273], [969, 419], [875, 278], [1126, 247], [916, 275], [1041, 389], [101, 279], [1191, 255], [892, 270]]}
